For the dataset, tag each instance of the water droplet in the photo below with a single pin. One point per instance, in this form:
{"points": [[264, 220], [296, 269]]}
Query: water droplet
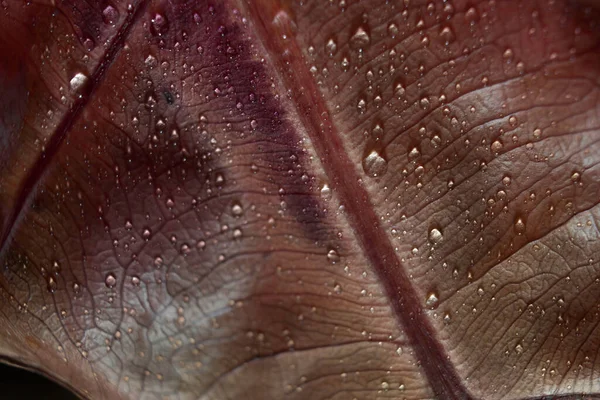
{"points": [[151, 61], [128, 225], [496, 146], [159, 24], [135, 280], [506, 181], [331, 47], [537, 133], [447, 35], [435, 236], [110, 280], [374, 164], [185, 249], [472, 16], [432, 300], [513, 121], [392, 30], [360, 39], [424, 103], [575, 177], [519, 348], [414, 153], [78, 81], [361, 106], [110, 15], [399, 90], [333, 256], [146, 234], [520, 226], [51, 284], [326, 191], [237, 210], [508, 54], [237, 233]]}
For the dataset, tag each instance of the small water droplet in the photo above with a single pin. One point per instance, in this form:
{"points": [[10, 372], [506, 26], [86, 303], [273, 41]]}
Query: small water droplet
{"points": [[447, 35], [333, 256], [331, 47], [146, 234], [432, 300], [110, 15], [51, 284], [520, 226], [135, 280], [159, 24], [472, 16], [110, 280], [151, 61], [519, 348], [360, 39], [326, 191], [424, 103], [537, 133], [374, 164], [237, 233], [237, 210], [575, 177], [414, 153]]}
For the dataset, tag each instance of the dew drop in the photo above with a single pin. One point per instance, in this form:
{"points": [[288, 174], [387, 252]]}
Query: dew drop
{"points": [[496, 146], [333, 256], [110, 280], [432, 300], [78, 81], [51, 284], [237, 233], [158, 262], [159, 24], [237, 210], [472, 16], [414, 153], [424, 103], [513, 121], [537, 133], [575, 177], [135, 280], [110, 15], [520, 226], [325, 191], [360, 39], [331, 47], [374, 164], [146, 234], [151, 61], [519, 348], [447, 35], [185, 249], [435, 236]]}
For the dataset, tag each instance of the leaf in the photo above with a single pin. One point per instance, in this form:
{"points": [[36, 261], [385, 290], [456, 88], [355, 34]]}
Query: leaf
{"points": [[304, 200]]}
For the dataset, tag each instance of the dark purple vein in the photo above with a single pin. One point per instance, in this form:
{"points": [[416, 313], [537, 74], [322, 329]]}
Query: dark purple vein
{"points": [[312, 110], [40, 166]]}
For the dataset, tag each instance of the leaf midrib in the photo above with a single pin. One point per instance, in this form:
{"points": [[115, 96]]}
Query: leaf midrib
{"points": [[28, 187], [314, 114]]}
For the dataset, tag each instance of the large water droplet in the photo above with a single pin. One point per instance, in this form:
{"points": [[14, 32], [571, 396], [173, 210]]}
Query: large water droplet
{"points": [[435, 235], [78, 81], [374, 164]]}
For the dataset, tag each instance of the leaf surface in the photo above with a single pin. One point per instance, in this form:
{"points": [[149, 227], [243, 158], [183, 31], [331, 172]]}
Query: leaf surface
{"points": [[304, 200]]}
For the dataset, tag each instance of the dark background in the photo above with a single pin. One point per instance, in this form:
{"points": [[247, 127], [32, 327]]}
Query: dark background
{"points": [[19, 384]]}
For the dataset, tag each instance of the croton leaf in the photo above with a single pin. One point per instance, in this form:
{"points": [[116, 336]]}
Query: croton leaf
{"points": [[307, 199]]}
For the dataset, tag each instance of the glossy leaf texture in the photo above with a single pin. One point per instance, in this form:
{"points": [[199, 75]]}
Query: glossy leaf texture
{"points": [[302, 199]]}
